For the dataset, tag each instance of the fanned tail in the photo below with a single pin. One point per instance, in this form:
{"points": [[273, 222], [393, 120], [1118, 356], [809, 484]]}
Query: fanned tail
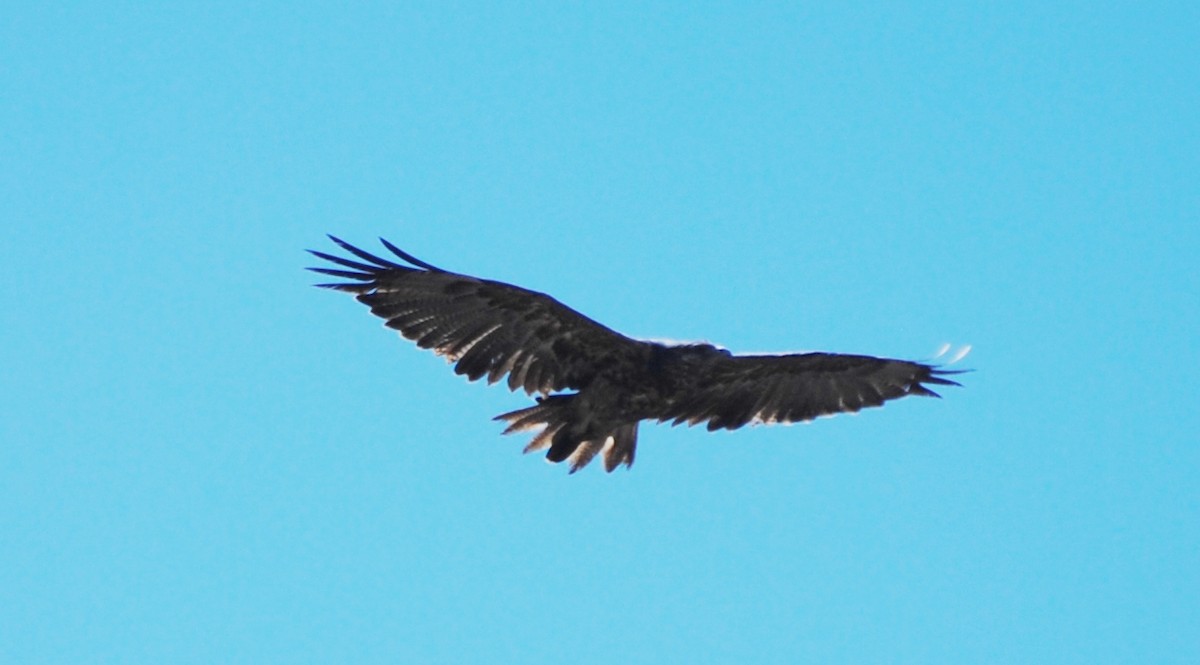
{"points": [[566, 438]]}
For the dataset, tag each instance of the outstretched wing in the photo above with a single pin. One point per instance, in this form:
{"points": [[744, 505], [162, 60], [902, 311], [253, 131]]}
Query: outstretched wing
{"points": [[736, 390], [486, 328]]}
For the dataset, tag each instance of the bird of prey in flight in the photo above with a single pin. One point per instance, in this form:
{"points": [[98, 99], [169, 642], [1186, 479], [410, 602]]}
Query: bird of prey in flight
{"points": [[593, 384]]}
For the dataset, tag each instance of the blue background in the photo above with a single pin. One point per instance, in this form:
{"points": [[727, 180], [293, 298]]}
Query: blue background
{"points": [[205, 460]]}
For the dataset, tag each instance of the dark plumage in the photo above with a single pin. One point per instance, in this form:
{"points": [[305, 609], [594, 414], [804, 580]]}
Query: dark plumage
{"points": [[493, 330]]}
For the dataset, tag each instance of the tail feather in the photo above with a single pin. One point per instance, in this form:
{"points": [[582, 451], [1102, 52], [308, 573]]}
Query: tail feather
{"points": [[543, 438], [585, 452], [564, 438], [624, 443]]}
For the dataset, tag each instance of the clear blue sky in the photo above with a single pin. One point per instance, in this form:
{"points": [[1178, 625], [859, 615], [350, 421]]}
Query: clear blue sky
{"points": [[205, 460]]}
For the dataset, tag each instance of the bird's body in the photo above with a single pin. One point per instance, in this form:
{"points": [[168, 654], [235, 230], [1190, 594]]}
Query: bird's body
{"points": [[495, 330]]}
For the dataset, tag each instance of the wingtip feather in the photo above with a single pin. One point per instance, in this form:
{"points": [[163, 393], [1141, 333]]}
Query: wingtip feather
{"points": [[408, 257]]}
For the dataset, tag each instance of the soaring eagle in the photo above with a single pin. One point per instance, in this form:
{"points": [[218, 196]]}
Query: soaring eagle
{"points": [[492, 329]]}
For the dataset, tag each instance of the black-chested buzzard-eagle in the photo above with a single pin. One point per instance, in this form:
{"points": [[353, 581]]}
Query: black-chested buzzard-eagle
{"points": [[492, 329]]}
